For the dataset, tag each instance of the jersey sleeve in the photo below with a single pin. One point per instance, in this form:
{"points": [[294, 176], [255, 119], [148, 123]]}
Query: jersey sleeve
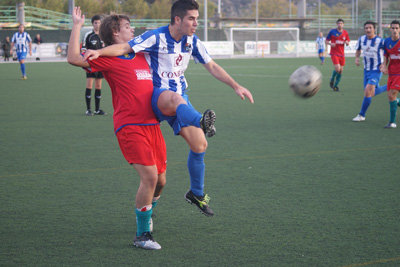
{"points": [[328, 37], [13, 39], [358, 45], [28, 38], [145, 42], [200, 54], [100, 64], [347, 36]]}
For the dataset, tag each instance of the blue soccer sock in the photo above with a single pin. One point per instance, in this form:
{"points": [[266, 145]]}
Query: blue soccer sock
{"points": [[393, 110], [338, 77], [22, 66], [196, 168], [188, 115], [380, 89], [365, 104], [323, 59], [143, 221], [334, 73]]}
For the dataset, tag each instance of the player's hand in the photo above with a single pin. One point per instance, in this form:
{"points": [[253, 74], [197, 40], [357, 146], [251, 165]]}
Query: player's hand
{"points": [[30, 52], [383, 69], [91, 54], [244, 93], [357, 61], [77, 17]]}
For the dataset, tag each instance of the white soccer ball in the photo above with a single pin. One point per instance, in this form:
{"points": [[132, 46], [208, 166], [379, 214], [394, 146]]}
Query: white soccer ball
{"points": [[305, 81]]}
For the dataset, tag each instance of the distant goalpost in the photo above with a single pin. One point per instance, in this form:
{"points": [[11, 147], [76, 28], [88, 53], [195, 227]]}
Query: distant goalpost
{"points": [[264, 42]]}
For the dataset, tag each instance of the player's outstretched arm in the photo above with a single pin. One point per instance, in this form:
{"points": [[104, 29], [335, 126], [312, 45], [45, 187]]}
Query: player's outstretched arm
{"points": [[357, 60], [109, 51], [73, 55], [218, 72]]}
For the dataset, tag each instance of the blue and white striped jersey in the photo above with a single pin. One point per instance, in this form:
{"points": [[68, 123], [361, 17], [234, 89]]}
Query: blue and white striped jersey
{"points": [[320, 42], [372, 51], [21, 41], [167, 58]]}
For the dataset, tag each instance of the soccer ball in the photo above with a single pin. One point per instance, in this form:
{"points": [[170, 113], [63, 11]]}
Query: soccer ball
{"points": [[305, 81]]}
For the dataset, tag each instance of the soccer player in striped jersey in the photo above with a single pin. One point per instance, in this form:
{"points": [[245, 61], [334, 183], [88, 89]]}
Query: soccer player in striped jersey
{"points": [[320, 43], [135, 124], [391, 66], [371, 47], [337, 39], [168, 50], [22, 42]]}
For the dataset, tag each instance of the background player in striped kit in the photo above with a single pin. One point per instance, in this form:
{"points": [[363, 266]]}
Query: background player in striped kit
{"points": [[22, 42], [391, 66], [320, 44], [371, 46], [92, 41], [169, 49]]}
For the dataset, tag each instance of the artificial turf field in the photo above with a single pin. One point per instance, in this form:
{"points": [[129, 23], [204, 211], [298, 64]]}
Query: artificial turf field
{"points": [[293, 182]]}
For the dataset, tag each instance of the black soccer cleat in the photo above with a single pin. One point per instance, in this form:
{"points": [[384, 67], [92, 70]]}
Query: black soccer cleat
{"points": [[200, 202], [88, 113], [207, 122], [331, 84], [99, 112]]}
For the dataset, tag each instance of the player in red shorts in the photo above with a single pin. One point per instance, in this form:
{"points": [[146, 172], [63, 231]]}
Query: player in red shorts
{"points": [[391, 66], [337, 39], [135, 124]]}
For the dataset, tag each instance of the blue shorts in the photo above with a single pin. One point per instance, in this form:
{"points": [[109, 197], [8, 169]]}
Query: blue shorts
{"points": [[372, 77], [321, 51], [172, 120], [21, 55]]}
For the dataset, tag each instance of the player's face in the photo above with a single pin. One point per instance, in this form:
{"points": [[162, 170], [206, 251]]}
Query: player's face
{"points": [[188, 25], [369, 30], [21, 28], [126, 32], [96, 25], [340, 25], [395, 30]]}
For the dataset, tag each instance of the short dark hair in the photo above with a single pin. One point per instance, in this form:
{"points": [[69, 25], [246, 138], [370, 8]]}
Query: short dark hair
{"points": [[371, 23], [110, 25], [395, 22], [180, 8], [340, 20], [96, 17]]}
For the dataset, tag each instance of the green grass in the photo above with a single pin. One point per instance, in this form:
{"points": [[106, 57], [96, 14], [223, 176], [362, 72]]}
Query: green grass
{"points": [[293, 182]]}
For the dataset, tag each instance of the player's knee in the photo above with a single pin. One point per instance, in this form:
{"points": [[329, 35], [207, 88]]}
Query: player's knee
{"points": [[161, 182], [200, 147]]}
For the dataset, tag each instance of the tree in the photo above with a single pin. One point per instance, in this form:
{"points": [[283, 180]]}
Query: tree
{"points": [[89, 7], [137, 8], [110, 6], [271, 8], [211, 7], [339, 9], [160, 9]]}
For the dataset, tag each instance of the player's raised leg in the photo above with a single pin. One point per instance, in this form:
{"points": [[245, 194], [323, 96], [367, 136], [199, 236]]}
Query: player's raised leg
{"points": [[198, 145]]}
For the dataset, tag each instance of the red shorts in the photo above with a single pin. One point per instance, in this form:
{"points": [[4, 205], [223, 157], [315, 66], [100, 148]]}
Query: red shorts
{"points": [[393, 82], [143, 145], [337, 60]]}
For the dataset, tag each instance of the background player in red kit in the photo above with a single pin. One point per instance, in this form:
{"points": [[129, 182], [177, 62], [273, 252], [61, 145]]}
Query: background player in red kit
{"points": [[391, 66], [337, 39]]}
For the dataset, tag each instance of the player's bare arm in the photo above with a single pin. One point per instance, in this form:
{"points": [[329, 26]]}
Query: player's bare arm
{"points": [[73, 56], [109, 51], [383, 68], [218, 72], [357, 60]]}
